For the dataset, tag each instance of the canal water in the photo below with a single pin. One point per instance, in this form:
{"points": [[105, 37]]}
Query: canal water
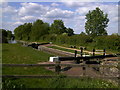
{"points": [[12, 41]]}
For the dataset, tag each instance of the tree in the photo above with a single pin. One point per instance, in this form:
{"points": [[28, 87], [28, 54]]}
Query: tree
{"points": [[9, 34], [96, 22], [4, 36], [82, 33], [57, 27], [18, 32], [26, 31], [70, 31], [39, 29], [4, 32]]}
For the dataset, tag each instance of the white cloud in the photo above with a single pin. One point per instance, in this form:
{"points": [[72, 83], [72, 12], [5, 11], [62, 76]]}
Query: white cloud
{"points": [[3, 0], [17, 23], [75, 4], [82, 10], [8, 26], [72, 1], [54, 4], [114, 20], [28, 18], [32, 9], [9, 10], [58, 13]]}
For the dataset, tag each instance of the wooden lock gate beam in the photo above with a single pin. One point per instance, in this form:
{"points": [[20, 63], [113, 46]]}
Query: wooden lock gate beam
{"points": [[87, 57]]}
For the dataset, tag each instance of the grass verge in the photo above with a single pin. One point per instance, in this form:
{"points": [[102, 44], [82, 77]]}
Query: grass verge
{"points": [[16, 54]]}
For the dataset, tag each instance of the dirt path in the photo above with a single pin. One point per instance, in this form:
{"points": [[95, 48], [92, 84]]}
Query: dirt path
{"points": [[89, 71], [79, 50], [76, 71], [55, 51]]}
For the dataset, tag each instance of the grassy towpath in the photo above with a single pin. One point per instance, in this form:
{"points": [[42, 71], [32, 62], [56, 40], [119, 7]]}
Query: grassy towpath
{"points": [[85, 51], [17, 54]]}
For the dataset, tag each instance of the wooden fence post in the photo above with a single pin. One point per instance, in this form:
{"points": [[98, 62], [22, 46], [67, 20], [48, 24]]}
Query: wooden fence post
{"points": [[104, 51], [75, 53], [75, 56], [84, 69], [93, 52], [81, 52], [57, 66]]}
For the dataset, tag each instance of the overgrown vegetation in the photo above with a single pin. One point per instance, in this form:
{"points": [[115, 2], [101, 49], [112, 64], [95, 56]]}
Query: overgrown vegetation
{"points": [[58, 82], [6, 35], [110, 42]]}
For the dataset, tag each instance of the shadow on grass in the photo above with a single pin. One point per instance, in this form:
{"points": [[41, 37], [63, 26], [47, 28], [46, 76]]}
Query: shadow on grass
{"points": [[5, 50]]}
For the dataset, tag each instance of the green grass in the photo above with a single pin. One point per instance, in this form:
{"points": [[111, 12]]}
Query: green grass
{"points": [[16, 54], [58, 82]]}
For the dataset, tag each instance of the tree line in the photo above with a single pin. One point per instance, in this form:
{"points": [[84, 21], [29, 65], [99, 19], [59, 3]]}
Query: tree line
{"points": [[36, 30], [6, 35], [95, 25]]}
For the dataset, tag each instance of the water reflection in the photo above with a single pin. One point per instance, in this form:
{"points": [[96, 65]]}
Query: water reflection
{"points": [[12, 41]]}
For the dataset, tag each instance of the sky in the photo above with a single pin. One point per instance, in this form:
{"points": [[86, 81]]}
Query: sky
{"points": [[72, 13]]}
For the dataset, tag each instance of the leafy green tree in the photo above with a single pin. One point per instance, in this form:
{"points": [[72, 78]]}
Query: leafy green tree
{"points": [[70, 31], [39, 29], [18, 32], [96, 22], [4, 36], [22, 32], [26, 31], [57, 27], [82, 33], [4, 32], [9, 34]]}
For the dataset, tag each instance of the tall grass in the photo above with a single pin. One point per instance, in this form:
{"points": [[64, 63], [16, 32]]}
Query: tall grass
{"points": [[58, 82]]}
